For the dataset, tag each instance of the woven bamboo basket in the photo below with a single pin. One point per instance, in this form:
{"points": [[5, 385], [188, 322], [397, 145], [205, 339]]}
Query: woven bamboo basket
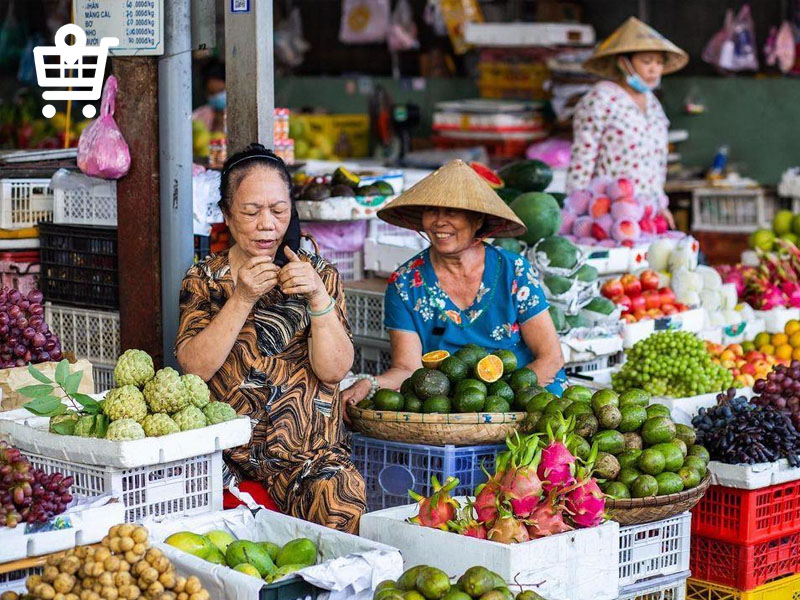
{"points": [[646, 510], [463, 429]]}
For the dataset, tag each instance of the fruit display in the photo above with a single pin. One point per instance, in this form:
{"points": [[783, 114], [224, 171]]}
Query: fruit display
{"points": [[470, 380], [781, 390], [263, 560], [24, 336], [640, 451], [489, 175], [146, 403], [774, 283], [745, 366], [343, 183], [642, 297], [783, 345], [785, 227], [675, 364], [429, 583], [610, 213], [737, 431], [123, 567], [329, 136]]}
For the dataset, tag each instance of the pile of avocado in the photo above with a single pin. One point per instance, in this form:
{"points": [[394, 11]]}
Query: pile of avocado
{"points": [[429, 583], [642, 452], [456, 385], [343, 183]]}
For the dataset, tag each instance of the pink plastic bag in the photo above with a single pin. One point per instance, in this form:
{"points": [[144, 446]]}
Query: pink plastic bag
{"points": [[102, 151]]}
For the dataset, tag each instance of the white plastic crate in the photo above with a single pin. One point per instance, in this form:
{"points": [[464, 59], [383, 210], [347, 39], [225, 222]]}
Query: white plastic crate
{"points": [[383, 258], [672, 587], [87, 333], [25, 202], [103, 376], [730, 210], [349, 264], [14, 581], [752, 477], [528, 34], [365, 313], [184, 487], [95, 205], [373, 359], [654, 549], [597, 364]]}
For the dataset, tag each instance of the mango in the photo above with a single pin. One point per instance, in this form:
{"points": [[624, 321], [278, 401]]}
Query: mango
{"points": [[220, 539], [301, 551], [191, 543], [243, 551]]}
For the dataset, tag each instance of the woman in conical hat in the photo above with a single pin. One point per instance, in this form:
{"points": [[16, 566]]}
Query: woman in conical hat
{"points": [[462, 290], [620, 129]]}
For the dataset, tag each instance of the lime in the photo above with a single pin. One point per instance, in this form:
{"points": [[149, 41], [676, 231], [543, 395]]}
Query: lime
{"points": [[502, 389], [578, 393], [436, 404], [489, 369], [522, 397], [673, 457], [686, 434], [586, 424], [690, 477], [629, 458], [454, 368], [633, 416], [431, 383], [644, 486], [471, 384], [469, 401], [700, 452], [388, 400], [634, 396], [657, 410], [696, 463], [669, 483], [496, 404], [522, 378], [651, 462], [540, 401], [657, 430], [580, 447], [603, 398], [469, 356], [628, 475], [509, 360], [617, 489], [407, 387], [577, 408], [412, 403]]}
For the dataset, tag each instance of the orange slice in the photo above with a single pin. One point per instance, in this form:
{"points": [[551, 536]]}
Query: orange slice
{"points": [[489, 369], [432, 360]]}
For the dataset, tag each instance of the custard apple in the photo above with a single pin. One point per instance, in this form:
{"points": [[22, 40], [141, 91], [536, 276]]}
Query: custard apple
{"points": [[85, 426], [199, 395], [134, 367], [159, 424], [125, 402], [218, 412], [66, 423], [190, 417], [124, 429], [165, 393]]}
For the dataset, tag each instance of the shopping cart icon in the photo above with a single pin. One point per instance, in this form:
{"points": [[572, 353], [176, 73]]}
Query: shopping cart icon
{"points": [[76, 77]]}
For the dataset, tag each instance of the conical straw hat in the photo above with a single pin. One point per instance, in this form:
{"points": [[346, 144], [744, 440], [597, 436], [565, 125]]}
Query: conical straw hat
{"points": [[454, 185], [634, 36]]}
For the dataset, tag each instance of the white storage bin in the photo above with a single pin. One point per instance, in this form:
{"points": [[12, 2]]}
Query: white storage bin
{"points": [[672, 587], [103, 377], [654, 549], [383, 258], [730, 210], [365, 313], [775, 319], [25, 202], [752, 477], [91, 205], [87, 333], [372, 357]]}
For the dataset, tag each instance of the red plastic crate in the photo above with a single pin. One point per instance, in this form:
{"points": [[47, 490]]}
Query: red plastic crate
{"points": [[744, 566], [20, 270], [748, 516]]}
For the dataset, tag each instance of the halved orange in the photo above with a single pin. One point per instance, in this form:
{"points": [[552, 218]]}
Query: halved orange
{"points": [[489, 369], [432, 360]]}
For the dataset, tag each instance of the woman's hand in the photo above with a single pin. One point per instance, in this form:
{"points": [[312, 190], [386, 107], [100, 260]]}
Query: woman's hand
{"points": [[353, 395], [255, 278], [299, 277]]}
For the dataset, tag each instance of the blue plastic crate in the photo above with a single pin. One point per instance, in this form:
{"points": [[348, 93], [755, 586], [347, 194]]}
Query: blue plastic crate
{"points": [[390, 469]]}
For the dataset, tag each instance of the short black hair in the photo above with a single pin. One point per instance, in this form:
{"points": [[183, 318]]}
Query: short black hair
{"points": [[214, 70], [238, 165]]}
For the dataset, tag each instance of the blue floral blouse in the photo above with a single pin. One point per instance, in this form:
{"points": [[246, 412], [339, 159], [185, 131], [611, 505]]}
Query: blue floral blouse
{"points": [[508, 296]]}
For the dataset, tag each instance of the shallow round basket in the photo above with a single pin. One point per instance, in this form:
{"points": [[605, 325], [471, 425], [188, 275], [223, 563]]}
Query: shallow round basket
{"points": [[458, 429], [646, 510]]}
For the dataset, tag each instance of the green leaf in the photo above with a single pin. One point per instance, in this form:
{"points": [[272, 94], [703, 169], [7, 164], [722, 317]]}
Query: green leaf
{"points": [[46, 407], [73, 382], [38, 375], [64, 428], [100, 426], [89, 404], [62, 372], [36, 391]]}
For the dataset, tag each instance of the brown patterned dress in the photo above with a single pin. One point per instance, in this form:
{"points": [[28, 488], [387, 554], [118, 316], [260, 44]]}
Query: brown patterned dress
{"points": [[298, 449]]}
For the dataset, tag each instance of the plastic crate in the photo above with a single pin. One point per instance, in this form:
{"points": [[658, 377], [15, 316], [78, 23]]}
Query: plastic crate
{"points": [[79, 265], [365, 313], [25, 202], [20, 270], [184, 487], [13, 580], [86, 205], [349, 264], [671, 587], [748, 516], [371, 359], [87, 333], [654, 549], [390, 469], [731, 210], [103, 377], [783, 589], [597, 364], [745, 567]]}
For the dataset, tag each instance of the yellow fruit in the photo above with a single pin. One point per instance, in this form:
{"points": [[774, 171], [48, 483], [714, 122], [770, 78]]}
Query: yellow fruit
{"points": [[796, 354], [767, 349], [748, 346], [784, 352], [432, 360], [792, 326], [762, 339], [779, 339], [489, 369], [794, 340]]}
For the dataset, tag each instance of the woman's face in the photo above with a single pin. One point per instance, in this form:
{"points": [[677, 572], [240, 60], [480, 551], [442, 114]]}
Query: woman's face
{"points": [[451, 230], [650, 66], [260, 212]]}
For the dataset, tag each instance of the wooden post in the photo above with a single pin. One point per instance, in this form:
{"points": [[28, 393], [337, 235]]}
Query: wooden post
{"points": [[138, 213], [249, 75]]}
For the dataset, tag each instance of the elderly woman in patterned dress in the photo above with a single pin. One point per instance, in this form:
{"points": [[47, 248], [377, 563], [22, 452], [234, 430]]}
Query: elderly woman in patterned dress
{"points": [[462, 290], [264, 324]]}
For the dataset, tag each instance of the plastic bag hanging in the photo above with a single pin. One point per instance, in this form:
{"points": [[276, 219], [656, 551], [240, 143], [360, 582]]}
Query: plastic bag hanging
{"points": [[402, 29], [102, 151], [364, 21]]}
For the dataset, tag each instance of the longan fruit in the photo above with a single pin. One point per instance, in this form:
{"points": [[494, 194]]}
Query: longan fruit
{"points": [[126, 544], [81, 552], [97, 588], [50, 573], [183, 596], [125, 530], [45, 591], [140, 535], [106, 578], [64, 583], [180, 584], [113, 545], [161, 564], [9, 596], [94, 596], [109, 593], [150, 575], [193, 585], [164, 596], [101, 554], [87, 583], [125, 566], [70, 565], [58, 596], [32, 581], [53, 560], [84, 594], [139, 567], [132, 557], [201, 595], [106, 541], [155, 589], [111, 564], [152, 554], [167, 580], [72, 596], [139, 548]]}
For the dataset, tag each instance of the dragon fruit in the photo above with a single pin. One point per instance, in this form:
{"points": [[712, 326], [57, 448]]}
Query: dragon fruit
{"points": [[585, 503], [625, 231], [548, 517], [567, 219], [626, 209], [520, 484], [599, 206], [437, 509], [467, 525], [772, 298], [508, 529], [487, 495], [557, 465], [582, 227], [578, 201]]}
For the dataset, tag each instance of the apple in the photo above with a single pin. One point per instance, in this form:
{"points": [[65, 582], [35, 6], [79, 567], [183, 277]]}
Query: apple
{"points": [[649, 279], [753, 356], [641, 313], [631, 285], [623, 301], [612, 288], [681, 307], [668, 309], [638, 303], [629, 318], [652, 299], [736, 349], [667, 295], [749, 369], [655, 313]]}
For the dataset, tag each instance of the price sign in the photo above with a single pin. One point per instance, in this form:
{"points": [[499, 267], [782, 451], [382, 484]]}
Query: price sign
{"points": [[138, 24]]}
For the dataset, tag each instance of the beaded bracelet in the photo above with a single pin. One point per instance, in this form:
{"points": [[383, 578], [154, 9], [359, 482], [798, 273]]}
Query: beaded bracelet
{"points": [[373, 382], [324, 311]]}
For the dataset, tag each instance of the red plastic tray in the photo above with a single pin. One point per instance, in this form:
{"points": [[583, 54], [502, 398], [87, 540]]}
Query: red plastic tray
{"points": [[745, 566], [748, 516]]}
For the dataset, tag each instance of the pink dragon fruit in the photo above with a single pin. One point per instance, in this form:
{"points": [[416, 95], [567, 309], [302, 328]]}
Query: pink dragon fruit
{"points": [[437, 509], [520, 484], [627, 209], [508, 529], [772, 298], [735, 276], [599, 206], [467, 525], [586, 504], [578, 201], [557, 466], [567, 219], [582, 227], [621, 188], [624, 231], [548, 517]]}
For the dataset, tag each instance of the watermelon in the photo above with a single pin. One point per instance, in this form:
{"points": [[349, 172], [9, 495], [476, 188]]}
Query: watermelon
{"points": [[540, 213], [560, 252], [508, 194], [487, 174], [527, 175], [509, 244], [559, 197]]}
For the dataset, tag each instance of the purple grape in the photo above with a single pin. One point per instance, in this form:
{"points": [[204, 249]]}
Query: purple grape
{"points": [[36, 310], [759, 386], [56, 354], [15, 297], [21, 323], [38, 339], [28, 333], [36, 322], [35, 297], [50, 345], [44, 356]]}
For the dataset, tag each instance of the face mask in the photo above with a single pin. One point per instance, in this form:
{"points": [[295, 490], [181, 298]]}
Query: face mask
{"points": [[218, 101], [636, 82]]}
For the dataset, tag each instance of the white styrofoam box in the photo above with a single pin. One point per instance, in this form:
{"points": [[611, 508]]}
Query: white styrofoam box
{"points": [[775, 319], [752, 477], [608, 260], [528, 34], [690, 320], [182, 487], [358, 564], [25, 202], [383, 258], [341, 209], [713, 335], [584, 349], [578, 564], [87, 333], [671, 587], [30, 434], [654, 549], [87, 525], [86, 205], [744, 331]]}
